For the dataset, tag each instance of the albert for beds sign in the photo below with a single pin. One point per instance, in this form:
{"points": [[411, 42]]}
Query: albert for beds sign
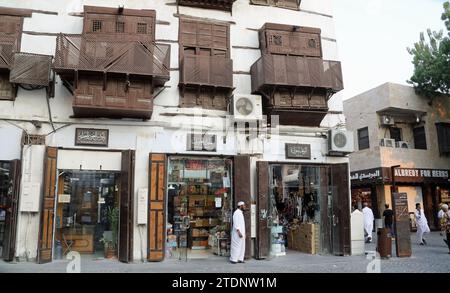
{"points": [[91, 137]]}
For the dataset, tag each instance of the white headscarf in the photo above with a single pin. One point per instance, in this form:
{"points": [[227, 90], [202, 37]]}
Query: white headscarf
{"points": [[240, 203]]}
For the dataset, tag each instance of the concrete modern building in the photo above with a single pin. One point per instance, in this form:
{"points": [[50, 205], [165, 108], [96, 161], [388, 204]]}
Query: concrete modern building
{"points": [[134, 129], [400, 131]]}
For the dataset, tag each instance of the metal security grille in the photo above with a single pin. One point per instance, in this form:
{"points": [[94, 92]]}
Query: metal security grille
{"points": [[73, 52], [31, 69]]}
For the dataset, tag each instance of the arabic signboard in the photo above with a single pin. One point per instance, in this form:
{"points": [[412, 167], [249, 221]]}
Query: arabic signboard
{"points": [[91, 137], [402, 228], [370, 176], [201, 142], [298, 151]]}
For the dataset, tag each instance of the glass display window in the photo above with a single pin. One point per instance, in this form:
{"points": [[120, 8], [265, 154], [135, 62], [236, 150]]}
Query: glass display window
{"points": [[199, 206], [87, 213]]}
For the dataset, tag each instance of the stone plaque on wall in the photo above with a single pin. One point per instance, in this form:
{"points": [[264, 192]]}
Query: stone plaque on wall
{"points": [[298, 151], [91, 137]]}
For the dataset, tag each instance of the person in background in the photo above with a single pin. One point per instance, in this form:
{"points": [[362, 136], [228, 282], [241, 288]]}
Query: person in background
{"points": [[368, 222], [444, 220], [445, 224], [388, 215], [422, 224], [238, 235]]}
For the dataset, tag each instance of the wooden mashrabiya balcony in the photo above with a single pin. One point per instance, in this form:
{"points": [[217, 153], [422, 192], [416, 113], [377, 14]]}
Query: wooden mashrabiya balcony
{"points": [[110, 78], [296, 88]]}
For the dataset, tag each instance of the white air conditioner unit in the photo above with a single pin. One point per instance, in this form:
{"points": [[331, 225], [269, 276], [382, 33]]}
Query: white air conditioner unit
{"points": [[386, 120], [247, 107], [340, 142], [387, 142], [402, 145]]}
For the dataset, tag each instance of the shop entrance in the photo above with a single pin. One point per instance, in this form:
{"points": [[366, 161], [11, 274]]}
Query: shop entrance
{"points": [[87, 213], [294, 208], [303, 208], [199, 207], [9, 191]]}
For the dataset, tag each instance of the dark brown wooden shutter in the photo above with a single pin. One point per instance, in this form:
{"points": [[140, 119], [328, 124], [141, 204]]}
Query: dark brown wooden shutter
{"points": [[9, 240], [126, 207], [242, 193], [156, 202], [262, 209], [48, 205], [341, 209]]}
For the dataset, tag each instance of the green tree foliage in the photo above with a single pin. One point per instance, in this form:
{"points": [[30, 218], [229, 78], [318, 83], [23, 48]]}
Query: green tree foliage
{"points": [[431, 59]]}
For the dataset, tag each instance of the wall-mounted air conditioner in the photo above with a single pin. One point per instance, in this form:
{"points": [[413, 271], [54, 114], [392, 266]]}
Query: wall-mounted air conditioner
{"points": [[402, 145], [247, 107], [386, 120], [387, 142], [340, 142]]}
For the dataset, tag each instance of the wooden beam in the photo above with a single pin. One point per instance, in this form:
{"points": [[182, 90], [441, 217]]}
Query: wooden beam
{"points": [[33, 33], [23, 12], [202, 18]]}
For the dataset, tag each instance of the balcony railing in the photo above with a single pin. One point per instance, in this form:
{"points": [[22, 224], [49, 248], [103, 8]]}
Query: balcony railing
{"points": [[295, 71], [212, 4], [74, 52], [206, 71]]}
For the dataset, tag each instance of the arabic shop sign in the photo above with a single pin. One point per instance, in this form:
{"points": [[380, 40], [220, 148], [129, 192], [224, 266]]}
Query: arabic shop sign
{"points": [[298, 151], [91, 137], [369, 174]]}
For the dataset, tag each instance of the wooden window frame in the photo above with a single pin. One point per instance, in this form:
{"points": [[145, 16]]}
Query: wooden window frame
{"points": [[120, 27], [142, 28], [97, 26], [361, 139]]}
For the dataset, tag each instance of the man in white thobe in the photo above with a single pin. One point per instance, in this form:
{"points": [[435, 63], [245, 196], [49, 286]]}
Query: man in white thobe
{"points": [[368, 222], [422, 224], [238, 235]]}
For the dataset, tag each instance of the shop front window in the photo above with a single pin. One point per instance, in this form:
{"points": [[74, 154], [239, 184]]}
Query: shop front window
{"points": [[87, 213], [295, 208], [199, 207]]}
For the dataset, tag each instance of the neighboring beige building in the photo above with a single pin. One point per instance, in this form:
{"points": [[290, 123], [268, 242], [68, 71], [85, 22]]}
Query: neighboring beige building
{"points": [[394, 126]]}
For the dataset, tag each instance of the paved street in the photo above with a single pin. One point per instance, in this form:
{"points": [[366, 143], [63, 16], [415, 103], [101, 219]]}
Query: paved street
{"points": [[430, 258]]}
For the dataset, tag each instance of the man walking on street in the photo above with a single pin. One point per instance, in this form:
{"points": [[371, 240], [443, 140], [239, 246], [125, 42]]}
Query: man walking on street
{"points": [[368, 222], [444, 217], [422, 224], [388, 215], [238, 235]]}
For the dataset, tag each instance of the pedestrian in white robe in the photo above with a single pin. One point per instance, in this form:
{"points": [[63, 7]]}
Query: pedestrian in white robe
{"points": [[368, 222], [238, 235], [422, 224]]}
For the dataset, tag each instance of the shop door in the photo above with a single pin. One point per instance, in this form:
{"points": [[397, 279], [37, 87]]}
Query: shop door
{"points": [[156, 202], [262, 233], [242, 193], [340, 209], [48, 205], [12, 205], [126, 207]]}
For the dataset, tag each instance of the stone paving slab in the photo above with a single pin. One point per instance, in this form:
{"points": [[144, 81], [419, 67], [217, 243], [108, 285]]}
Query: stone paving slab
{"points": [[431, 258]]}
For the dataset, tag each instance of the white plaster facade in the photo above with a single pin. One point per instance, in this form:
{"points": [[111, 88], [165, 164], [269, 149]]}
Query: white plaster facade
{"points": [[165, 132]]}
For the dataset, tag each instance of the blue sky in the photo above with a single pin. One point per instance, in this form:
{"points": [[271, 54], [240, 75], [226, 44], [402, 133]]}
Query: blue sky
{"points": [[373, 36]]}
